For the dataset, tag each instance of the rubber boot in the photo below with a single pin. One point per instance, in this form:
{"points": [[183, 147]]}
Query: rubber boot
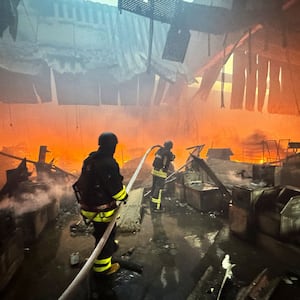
{"points": [[116, 245], [113, 269]]}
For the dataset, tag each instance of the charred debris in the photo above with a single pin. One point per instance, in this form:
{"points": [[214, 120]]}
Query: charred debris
{"points": [[260, 202]]}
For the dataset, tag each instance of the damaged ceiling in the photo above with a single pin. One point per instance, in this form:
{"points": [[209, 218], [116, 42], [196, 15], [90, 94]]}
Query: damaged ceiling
{"points": [[95, 54]]}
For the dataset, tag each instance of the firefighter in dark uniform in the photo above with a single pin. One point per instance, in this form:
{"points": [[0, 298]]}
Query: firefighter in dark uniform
{"points": [[161, 164], [100, 187]]}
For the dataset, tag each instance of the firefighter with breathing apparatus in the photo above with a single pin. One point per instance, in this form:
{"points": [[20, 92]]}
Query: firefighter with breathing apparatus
{"points": [[161, 164], [98, 189]]}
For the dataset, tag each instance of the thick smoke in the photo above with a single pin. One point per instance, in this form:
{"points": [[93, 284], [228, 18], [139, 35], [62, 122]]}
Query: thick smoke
{"points": [[71, 132], [39, 195]]}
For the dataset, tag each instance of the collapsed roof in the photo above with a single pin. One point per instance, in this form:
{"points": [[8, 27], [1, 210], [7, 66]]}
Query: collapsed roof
{"points": [[97, 54]]}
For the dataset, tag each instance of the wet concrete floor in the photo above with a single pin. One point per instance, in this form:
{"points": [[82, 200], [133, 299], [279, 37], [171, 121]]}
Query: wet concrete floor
{"points": [[180, 251]]}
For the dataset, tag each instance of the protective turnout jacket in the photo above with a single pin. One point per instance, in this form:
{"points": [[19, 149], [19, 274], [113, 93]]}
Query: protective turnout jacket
{"points": [[98, 188], [100, 184], [161, 163]]}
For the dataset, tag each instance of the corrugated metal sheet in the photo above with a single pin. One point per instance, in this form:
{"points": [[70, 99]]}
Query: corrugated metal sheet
{"points": [[78, 36], [77, 42]]}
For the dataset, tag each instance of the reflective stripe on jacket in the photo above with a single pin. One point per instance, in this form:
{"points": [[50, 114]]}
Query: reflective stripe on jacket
{"points": [[102, 265], [159, 173], [120, 195], [102, 216], [157, 201]]}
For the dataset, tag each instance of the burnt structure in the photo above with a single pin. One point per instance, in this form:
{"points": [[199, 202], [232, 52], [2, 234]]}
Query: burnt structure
{"points": [[257, 213], [27, 206], [270, 210], [263, 34], [219, 153], [15, 177], [264, 203], [44, 170]]}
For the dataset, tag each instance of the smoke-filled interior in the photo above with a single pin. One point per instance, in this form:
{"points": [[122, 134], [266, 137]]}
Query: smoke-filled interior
{"points": [[92, 77], [71, 132]]}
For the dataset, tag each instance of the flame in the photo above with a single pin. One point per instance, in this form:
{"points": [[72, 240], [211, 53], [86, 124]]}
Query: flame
{"points": [[71, 132]]}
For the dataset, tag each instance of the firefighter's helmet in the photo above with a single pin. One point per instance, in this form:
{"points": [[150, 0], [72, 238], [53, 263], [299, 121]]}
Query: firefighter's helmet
{"points": [[107, 140], [168, 145]]}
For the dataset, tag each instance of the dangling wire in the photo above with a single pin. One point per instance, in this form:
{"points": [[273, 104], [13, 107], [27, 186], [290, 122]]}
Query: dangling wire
{"points": [[10, 115], [76, 116], [223, 72], [78, 127]]}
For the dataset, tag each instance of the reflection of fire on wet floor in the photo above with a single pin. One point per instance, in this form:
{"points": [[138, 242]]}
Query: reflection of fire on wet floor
{"points": [[180, 252], [109, 287], [167, 246]]}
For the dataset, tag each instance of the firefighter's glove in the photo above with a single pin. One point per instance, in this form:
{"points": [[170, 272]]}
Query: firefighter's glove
{"points": [[124, 200]]}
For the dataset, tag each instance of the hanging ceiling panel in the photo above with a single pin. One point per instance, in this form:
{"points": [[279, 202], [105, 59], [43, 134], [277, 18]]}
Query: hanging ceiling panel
{"points": [[217, 17], [163, 10]]}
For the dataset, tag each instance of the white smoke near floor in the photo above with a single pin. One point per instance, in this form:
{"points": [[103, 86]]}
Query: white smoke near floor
{"points": [[236, 177], [31, 202], [231, 172], [40, 195]]}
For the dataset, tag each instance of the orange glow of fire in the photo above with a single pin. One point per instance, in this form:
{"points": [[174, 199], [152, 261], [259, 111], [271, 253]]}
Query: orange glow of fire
{"points": [[71, 132]]}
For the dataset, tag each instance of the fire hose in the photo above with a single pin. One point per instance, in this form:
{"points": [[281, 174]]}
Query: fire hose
{"points": [[89, 263]]}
